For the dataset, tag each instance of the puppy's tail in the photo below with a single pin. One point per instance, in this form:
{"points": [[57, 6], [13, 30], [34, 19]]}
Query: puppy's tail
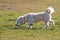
{"points": [[50, 10]]}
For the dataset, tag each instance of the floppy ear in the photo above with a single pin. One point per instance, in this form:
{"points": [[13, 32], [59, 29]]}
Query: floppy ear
{"points": [[48, 11], [23, 21]]}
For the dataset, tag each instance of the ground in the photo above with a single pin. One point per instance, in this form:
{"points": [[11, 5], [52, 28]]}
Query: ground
{"points": [[11, 9]]}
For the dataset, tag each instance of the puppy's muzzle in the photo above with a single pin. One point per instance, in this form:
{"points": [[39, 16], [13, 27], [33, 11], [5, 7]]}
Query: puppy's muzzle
{"points": [[16, 25]]}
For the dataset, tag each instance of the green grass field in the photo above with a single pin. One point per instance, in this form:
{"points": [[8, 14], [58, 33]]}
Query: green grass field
{"points": [[11, 9]]}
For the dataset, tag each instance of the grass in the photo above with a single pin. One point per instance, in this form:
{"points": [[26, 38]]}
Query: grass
{"points": [[11, 9]]}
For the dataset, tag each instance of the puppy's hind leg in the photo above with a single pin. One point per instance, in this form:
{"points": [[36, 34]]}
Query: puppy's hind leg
{"points": [[52, 21], [46, 24]]}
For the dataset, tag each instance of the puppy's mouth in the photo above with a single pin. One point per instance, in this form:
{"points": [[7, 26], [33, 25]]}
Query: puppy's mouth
{"points": [[16, 25]]}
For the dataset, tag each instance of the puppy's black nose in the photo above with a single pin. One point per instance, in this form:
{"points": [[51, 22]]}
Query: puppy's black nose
{"points": [[16, 25]]}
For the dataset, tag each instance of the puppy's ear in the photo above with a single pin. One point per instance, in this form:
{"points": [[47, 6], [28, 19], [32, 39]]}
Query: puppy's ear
{"points": [[48, 11]]}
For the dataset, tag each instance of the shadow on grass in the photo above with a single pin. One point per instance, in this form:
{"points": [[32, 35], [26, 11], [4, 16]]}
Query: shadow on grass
{"points": [[22, 28], [26, 28]]}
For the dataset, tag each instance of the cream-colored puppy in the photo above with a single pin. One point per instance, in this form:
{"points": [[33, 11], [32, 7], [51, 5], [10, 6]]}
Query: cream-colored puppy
{"points": [[36, 17]]}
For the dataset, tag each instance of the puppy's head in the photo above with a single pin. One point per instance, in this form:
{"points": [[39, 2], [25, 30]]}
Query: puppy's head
{"points": [[20, 21], [50, 10]]}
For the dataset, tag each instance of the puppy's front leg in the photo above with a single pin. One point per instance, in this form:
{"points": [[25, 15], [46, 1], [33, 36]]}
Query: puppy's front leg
{"points": [[30, 26], [52, 21]]}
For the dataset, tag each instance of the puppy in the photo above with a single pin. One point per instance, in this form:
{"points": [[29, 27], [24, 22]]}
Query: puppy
{"points": [[31, 18]]}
